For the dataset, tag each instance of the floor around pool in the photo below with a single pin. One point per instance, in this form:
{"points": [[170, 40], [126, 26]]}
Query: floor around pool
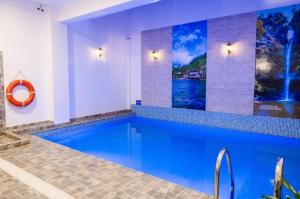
{"points": [[82, 176]]}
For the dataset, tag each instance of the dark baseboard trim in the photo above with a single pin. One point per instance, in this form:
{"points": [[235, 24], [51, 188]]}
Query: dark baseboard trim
{"points": [[99, 116], [46, 125]]}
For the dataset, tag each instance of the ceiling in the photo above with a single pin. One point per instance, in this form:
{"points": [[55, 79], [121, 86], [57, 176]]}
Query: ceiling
{"points": [[55, 2], [75, 10]]}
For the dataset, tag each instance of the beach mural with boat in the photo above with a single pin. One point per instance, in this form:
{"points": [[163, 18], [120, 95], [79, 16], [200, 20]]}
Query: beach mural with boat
{"points": [[277, 85], [189, 65]]}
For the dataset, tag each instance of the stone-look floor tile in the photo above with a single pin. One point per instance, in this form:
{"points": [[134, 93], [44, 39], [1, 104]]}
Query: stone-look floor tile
{"points": [[11, 188]]}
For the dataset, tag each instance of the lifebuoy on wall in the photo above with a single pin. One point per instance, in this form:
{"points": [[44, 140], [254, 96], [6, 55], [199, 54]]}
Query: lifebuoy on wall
{"points": [[10, 97]]}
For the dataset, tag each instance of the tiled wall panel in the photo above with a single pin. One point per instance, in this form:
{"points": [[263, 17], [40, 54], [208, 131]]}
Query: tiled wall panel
{"points": [[157, 75], [230, 79], [2, 98]]}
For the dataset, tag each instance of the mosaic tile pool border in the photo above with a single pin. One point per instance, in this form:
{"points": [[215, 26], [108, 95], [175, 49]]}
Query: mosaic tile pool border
{"points": [[257, 124]]}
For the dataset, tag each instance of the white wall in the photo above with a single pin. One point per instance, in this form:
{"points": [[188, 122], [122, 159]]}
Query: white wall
{"points": [[60, 70], [35, 44], [98, 86], [25, 42]]}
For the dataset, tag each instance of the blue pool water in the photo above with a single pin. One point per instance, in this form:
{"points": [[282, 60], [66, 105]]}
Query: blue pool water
{"points": [[186, 154]]}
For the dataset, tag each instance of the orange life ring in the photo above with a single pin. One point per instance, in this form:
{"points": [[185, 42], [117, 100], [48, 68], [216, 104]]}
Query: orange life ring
{"points": [[10, 97]]}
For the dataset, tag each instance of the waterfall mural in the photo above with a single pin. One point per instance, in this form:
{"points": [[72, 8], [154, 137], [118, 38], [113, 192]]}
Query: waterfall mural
{"points": [[189, 65], [277, 86]]}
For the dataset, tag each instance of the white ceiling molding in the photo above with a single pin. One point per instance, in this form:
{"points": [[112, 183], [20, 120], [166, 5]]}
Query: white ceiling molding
{"points": [[19, 3], [57, 3], [69, 11], [278, 3], [83, 9]]}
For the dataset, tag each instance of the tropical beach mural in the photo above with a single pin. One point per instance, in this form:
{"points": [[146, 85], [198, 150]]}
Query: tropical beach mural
{"points": [[277, 86], [189, 65]]}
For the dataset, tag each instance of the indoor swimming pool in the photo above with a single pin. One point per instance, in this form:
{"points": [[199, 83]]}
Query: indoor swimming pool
{"points": [[186, 154]]}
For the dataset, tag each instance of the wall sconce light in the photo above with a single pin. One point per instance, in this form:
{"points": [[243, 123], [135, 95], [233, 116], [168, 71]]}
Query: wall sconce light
{"points": [[229, 48], [100, 53], [155, 55]]}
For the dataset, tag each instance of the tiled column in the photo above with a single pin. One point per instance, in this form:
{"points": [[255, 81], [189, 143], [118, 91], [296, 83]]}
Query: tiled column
{"points": [[157, 75], [2, 95], [230, 78]]}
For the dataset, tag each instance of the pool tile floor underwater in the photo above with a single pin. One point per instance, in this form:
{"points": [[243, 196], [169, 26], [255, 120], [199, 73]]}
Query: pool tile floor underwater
{"points": [[83, 176]]}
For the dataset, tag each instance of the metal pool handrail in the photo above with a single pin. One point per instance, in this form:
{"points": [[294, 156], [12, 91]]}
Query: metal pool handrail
{"points": [[278, 178], [217, 174]]}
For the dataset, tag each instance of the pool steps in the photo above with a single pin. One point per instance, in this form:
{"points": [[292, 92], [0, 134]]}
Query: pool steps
{"points": [[10, 140]]}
